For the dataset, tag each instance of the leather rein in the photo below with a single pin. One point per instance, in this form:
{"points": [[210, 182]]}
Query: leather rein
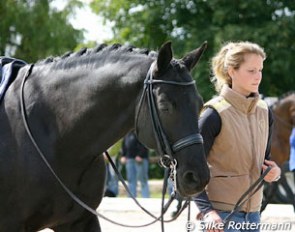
{"points": [[166, 150], [247, 195]]}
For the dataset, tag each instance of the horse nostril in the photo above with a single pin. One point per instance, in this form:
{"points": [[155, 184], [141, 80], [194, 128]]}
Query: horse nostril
{"points": [[191, 178]]}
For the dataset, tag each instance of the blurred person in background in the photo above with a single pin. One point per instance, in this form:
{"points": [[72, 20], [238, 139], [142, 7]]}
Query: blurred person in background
{"points": [[135, 156]]}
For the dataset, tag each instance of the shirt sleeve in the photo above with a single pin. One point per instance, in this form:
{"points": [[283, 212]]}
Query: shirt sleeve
{"points": [[270, 126], [210, 126]]}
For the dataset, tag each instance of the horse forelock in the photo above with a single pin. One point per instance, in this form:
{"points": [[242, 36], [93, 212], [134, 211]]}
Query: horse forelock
{"points": [[178, 65], [100, 53]]}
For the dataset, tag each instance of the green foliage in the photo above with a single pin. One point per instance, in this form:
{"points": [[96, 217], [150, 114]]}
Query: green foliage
{"points": [[115, 149], [32, 30], [155, 170], [187, 23]]}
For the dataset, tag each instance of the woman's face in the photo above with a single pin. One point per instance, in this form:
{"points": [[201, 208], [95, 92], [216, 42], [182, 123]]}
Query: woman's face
{"points": [[246, 79]]}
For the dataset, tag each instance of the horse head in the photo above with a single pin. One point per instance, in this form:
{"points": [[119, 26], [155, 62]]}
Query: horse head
{"points": [[167, 118], [284, 110]]}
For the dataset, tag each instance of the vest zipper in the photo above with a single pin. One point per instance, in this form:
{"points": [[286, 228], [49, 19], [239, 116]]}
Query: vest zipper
{"points": [[252, 156]]}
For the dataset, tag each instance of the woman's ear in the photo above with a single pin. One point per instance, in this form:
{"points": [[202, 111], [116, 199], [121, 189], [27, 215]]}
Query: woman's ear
{"points": [[231, 72]]}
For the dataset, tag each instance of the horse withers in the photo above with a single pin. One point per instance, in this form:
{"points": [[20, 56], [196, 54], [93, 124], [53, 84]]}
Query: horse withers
{"points": [[75, 107]]}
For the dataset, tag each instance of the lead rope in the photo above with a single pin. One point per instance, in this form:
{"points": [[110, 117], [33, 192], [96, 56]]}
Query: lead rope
{"points": [[165, 183], [189, 216]]}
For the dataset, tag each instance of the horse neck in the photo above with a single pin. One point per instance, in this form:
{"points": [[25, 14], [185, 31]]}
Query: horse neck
{"points": [[96, 106]]}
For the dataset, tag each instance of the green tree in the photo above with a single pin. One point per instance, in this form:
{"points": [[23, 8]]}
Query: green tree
{"points": [[31, 29], [188, 23]]}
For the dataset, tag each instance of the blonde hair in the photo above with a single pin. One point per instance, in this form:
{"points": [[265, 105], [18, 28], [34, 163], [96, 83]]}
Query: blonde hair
{"points": [[231, 55]]}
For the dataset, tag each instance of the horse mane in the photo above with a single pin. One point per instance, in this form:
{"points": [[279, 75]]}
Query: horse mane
{"points": [[282, 97], [99, 49], [286, 94]]}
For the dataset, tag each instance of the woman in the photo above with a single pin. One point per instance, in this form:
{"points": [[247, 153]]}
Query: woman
{"points": [[236, 128]]}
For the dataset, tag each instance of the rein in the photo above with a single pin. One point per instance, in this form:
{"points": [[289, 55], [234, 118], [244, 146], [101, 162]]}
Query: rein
{"points": [[66, 189], [249, 192], [160, 135]]}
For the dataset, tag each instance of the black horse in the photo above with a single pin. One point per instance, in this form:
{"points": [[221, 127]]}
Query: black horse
{"points": [[78, 105]]}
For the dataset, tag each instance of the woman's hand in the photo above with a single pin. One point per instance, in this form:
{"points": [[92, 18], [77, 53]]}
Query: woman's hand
{"points": [[275, 172], [213, 221]]}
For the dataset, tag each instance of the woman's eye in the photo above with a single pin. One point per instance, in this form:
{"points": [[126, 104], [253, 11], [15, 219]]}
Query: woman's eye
{"points": [[255, 71]]}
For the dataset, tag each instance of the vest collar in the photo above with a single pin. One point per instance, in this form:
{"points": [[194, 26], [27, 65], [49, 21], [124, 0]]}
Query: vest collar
{"points": [[245, 104]]}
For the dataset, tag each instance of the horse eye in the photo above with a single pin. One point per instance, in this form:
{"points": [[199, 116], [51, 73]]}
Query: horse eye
{"points": [[165, 107]]}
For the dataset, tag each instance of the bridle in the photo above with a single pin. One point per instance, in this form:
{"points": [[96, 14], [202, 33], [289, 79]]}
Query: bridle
{"points": [[165, 148], [180, 144]]}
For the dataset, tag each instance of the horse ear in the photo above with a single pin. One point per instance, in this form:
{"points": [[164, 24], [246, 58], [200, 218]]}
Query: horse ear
{"points": [[192, 58], [164, 57]]}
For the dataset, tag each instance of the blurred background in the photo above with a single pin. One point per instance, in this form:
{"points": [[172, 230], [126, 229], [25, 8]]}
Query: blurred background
{"points": [[35, 29]]}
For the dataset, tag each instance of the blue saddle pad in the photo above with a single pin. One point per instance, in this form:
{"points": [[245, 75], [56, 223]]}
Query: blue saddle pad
{"points": [[9, 68]]}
